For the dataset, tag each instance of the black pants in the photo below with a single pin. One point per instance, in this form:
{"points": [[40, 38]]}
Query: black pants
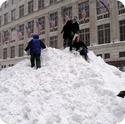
{"points": [[35, 59], [67, 43], [83, 52]]}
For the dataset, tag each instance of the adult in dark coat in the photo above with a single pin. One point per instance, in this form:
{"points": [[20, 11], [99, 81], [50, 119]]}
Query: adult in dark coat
{"points": [[80, 46], [35, 46], [75, 26], [67, 33]]}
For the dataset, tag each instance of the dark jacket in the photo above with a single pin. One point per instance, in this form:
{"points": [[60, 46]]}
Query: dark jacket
{"points": [[80, 46], [35, 45], [75, 27], [67, 30]]}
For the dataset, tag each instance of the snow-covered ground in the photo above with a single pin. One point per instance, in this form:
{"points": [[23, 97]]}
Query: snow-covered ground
{"points": [[65, 90]]}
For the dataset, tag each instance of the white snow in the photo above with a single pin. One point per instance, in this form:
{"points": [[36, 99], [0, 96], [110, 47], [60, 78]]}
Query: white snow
{"points": [[65, 90]]}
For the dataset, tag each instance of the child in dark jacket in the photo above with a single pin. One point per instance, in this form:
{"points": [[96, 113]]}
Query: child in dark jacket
{"points": [[35, 46], [80, 46]]}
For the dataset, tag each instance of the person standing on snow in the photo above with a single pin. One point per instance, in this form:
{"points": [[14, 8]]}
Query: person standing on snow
{"points": [[75, 30], [35, 46], [80, 46], [67, 33]]}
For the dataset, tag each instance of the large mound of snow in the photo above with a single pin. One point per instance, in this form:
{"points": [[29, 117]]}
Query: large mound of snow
{"points": [[65, 90]]}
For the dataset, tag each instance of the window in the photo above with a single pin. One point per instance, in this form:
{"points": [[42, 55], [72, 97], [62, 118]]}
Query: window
{"points": [[5, 18], [67, 14], [85, 36], [53, 42], [21, 49], [13, 35], [40, 4], [122, 30], [0, 38], [12, 52], [13, 14], [0, 20], [53, 21], [104, 34], [41, 25], [30, 6], [106, 56], [5, 4], [30, 28], [53, 2], [102, 7], [6, 35], [121, 54], [121, 8], [84, 12], [20, 32], [21, 11], [5, 53]]}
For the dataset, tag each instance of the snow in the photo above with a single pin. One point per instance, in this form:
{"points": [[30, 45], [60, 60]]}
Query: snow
{"points": [[65, 90]]}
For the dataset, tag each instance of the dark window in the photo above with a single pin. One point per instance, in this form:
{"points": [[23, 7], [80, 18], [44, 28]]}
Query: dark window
{"points": [[85, 36], [122, 30], [53, 42], [5, 18], [106, 56], [21, 11], [21, 49], [53, 2], [13, 14], [40, 4], [122, 54], [104, 34], [5, 53], [0, 20], [12, 52], [30, 6]]}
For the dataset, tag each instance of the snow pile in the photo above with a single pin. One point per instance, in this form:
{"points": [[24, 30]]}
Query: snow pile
{"points": [[65, 90]]}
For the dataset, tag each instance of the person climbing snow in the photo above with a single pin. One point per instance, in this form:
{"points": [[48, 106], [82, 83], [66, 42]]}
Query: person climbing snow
{"points": [[35, 46]]}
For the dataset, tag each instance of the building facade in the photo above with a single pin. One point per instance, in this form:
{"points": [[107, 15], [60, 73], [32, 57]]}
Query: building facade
{"points": [[102, 26]]}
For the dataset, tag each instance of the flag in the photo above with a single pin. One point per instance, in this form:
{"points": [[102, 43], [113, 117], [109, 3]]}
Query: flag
{"points": [[83, 14], [52, 23], [19, 34], [28, 30], [66, 18], [13, 35], [105, 4], [39, 26]]}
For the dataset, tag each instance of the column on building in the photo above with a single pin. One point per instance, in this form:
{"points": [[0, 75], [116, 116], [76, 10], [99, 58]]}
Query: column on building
{"points": [[114, 21], [35, 25], [47, 29], [60, 26], [92, 21]]}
